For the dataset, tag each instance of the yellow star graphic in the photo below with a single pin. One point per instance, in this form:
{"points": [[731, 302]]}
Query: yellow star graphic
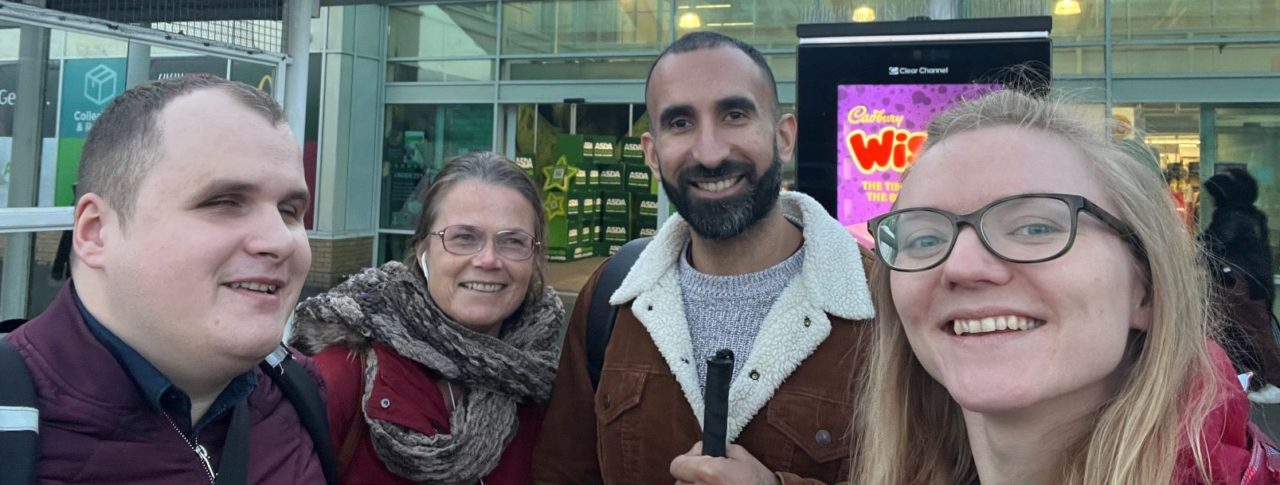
{"points": [[554, 205], [559, 175]]}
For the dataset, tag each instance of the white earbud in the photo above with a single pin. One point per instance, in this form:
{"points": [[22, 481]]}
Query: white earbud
{"points": [[422, 263]]}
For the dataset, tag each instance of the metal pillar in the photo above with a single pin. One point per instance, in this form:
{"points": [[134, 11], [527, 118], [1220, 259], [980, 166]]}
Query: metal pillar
{"points": [[24, 170], [297, 26], [139, 64]]}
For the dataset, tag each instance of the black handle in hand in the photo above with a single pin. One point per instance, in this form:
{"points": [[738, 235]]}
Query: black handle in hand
{"points": [[715, 415]]}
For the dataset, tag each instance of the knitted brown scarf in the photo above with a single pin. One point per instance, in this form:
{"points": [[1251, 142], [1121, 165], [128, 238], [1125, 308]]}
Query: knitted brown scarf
{"points": [[390, 305]]}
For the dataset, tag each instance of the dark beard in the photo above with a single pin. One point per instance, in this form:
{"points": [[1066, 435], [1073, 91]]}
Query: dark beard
{"points": [[724, 219]]}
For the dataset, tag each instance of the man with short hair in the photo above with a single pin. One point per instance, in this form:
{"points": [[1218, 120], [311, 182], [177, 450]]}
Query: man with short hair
{"points": [[189, 255], [770, 276]]}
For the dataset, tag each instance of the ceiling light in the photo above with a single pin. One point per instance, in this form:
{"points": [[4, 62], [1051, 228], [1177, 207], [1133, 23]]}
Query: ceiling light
{"points": [[864, 14], [689, 20], [1067, 7]]}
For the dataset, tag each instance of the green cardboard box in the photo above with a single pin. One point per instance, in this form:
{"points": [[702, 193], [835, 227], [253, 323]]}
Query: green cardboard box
{"points": [[582, 180], [639, 178], [604, 149], [632, 151], [644, 205], [646, 232], [525, 162], [560, 255], [644, 226], [555, 205], [607, 248], [616, 204], [583, 251], [612, 176], [573, 205], [616, 229]]}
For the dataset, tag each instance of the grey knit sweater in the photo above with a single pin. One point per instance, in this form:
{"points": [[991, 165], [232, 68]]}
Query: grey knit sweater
{"points": [[726, 312]]}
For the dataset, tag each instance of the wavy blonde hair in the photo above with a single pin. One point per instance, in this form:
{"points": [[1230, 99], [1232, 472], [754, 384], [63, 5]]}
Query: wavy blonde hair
{"points": [[912, 432]]}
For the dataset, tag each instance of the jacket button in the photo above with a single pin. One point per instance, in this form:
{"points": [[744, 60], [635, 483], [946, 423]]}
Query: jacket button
{"points": [[807, 321], [755, 375], [607, 402], [650, 307], [823, 437], [385, 403]]}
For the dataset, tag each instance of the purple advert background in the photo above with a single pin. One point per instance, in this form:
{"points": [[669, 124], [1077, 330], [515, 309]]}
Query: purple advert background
{"points": [[916, 104]]}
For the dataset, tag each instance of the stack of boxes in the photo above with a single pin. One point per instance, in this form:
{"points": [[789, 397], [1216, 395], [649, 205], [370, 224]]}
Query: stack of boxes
{"points": [[615, 214], [525, 162], [598, 195], [562, 190], [642, 189]]}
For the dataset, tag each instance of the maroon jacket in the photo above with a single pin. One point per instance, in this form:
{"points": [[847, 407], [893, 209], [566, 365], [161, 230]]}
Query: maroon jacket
{"points": [[404, 393], [96, 427], [1237, 451]]}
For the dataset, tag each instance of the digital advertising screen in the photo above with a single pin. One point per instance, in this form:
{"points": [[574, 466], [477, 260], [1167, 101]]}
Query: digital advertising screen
{"points": [[865, 94], [880, 129]]}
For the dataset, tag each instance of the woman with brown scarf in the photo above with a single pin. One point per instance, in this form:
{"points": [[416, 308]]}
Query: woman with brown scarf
{"points": [[437, 369]]}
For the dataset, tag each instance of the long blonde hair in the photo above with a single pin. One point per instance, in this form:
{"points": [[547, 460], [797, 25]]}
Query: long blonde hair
{"points": [[912, 432]]}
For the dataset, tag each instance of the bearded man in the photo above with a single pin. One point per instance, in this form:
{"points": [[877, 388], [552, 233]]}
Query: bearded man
{"points": [[743, 267]]}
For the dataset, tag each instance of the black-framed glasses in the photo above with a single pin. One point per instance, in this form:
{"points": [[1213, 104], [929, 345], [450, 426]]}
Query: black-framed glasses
{"points": [[511, 245], [1027, 228]]}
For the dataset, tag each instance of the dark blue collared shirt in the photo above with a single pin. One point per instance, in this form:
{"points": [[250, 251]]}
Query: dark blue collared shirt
{"points": [[157, 388]]}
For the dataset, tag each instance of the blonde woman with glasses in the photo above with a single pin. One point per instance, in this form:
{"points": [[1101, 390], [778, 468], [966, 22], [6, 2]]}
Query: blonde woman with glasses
{"points": [[437, 369], [1042, 318]]}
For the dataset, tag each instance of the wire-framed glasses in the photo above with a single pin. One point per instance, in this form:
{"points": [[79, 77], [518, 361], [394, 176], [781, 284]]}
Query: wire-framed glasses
{"points": [[463, 240], [1027, 228]]}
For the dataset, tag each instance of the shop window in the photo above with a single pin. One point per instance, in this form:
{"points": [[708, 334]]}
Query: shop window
{"points": [[1138, 19], [1248, 137], [448, 30], [1169, 134], [419, 139], [576, 26], [577, 68], [765, 25], [1196, 59], [47, 271]]}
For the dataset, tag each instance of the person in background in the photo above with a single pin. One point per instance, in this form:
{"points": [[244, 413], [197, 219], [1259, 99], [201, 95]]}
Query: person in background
{"points": [[437, 368], [1043, 318], [1240, 260]]}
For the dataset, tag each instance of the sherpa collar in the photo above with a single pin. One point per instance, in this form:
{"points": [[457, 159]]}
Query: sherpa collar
{"points": [[831, 283], [832, 260]]}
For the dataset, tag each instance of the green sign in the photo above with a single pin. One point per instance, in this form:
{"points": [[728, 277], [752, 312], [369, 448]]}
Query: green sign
{"points": [[88, 85]]}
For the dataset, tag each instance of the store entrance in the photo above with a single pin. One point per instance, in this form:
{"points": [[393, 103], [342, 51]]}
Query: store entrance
{"points": [[580, 155]]}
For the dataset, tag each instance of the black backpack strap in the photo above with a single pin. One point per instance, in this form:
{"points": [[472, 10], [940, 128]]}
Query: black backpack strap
{"points": [[19, 419], [300, 389], [234, 466], [600, 315]]}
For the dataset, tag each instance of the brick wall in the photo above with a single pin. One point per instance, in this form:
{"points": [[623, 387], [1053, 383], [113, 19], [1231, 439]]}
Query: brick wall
{"points": [[45, 250], [332, 260]]}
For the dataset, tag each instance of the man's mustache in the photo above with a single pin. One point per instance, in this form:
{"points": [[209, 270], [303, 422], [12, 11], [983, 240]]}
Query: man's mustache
{"points": [[727, 168]]}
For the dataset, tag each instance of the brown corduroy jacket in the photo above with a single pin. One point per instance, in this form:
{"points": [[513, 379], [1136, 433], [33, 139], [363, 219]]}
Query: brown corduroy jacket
{"points": [[790, 406]]}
